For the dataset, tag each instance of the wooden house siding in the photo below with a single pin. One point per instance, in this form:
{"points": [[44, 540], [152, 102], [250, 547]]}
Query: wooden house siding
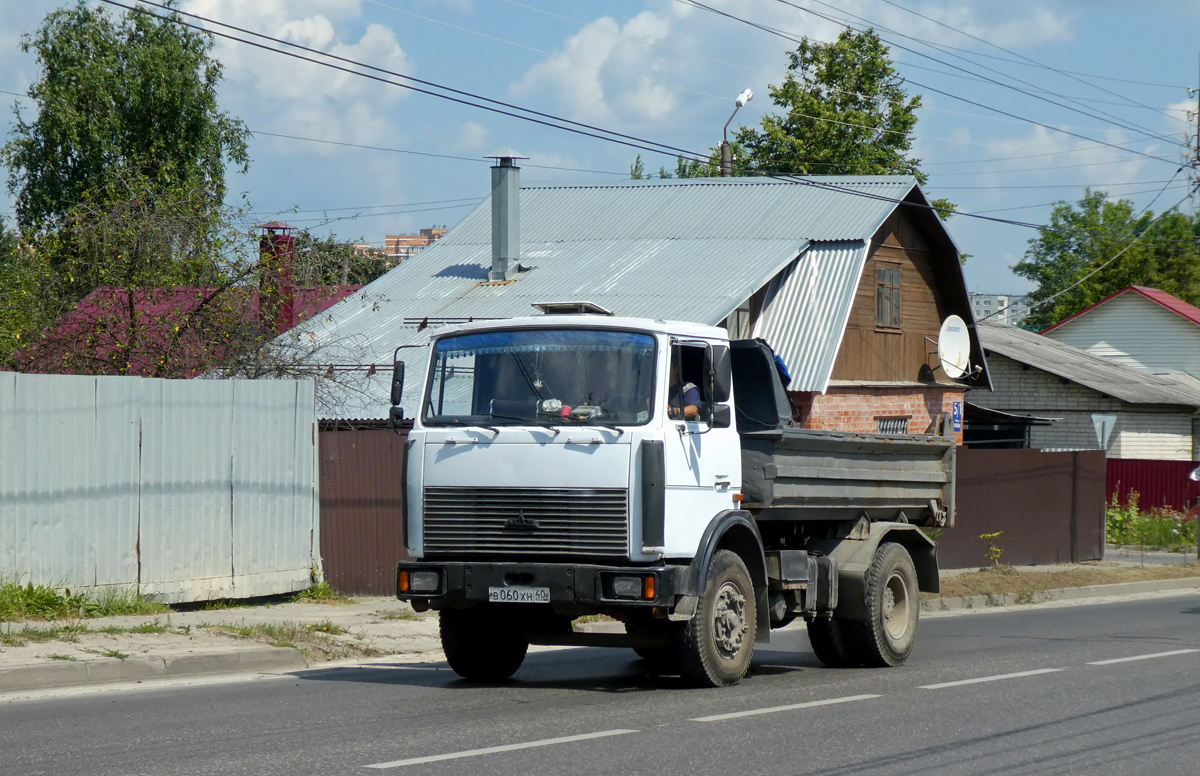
{"points": [[1137, 332], [874, 353]]}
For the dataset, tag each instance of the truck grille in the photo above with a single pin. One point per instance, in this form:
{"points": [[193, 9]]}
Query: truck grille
{"points": [[527, 521]]}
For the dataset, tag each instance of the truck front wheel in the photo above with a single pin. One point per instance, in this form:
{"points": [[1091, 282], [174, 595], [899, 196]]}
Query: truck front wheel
{"points": [[893, 606], [714, 648], [481, 645]]}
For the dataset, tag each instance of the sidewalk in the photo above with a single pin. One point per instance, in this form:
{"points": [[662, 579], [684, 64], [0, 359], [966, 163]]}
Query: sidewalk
{"points": [[293, 636]]}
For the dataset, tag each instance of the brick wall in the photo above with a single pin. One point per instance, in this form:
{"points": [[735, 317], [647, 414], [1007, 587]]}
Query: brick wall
{"points": [[860, 408]]}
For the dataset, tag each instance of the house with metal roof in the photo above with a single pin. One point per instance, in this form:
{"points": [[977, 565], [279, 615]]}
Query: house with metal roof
{"points": [[1145, 328], [1034, 376], [847, 278]]}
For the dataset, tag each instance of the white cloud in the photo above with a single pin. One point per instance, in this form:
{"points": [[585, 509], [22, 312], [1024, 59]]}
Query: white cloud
{"points": [[287, 94], [471, 136]]}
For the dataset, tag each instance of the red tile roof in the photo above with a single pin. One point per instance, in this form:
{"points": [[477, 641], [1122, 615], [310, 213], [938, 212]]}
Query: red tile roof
{"points": [[179, 332], [1172, 303]]}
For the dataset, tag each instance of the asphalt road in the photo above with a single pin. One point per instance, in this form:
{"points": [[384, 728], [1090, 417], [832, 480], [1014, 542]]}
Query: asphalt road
{"points": [[1098, 689]]}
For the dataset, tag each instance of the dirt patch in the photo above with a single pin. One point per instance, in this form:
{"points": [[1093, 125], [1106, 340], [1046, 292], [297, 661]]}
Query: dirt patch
{"points": [[999, 580]]}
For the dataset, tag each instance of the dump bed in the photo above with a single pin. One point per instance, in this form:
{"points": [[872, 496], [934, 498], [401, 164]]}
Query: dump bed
{"points": [[799, 474], [791, 473]]}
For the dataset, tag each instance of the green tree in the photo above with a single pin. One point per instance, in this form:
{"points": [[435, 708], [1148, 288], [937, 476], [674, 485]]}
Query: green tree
{"points": [[845, 112], [328, 261], [637, 170], [1086, 253], [138, 94]]}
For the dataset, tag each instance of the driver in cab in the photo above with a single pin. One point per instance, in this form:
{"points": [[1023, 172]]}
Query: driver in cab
{"points": [[683, 399]]}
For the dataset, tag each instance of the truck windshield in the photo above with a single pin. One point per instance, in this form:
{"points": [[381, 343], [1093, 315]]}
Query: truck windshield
{"points": [[542, 376]]}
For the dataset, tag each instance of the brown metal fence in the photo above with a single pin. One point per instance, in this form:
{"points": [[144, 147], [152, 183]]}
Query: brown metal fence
{"points": [[1157, 483], [362, 509], [1049, 506]]}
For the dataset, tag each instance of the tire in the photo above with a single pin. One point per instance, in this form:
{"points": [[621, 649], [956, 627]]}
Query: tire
{"points": [[480, 645], [894, 605], [714, 648], [829, 643]]}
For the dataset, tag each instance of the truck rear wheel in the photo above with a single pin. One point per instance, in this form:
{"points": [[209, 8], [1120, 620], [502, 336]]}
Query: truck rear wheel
{"points": [[828, 639], [714, 648], [893, 606], [481, 645]]}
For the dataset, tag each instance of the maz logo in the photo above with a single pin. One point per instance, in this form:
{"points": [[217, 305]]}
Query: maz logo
{"points": [[521, 523]]}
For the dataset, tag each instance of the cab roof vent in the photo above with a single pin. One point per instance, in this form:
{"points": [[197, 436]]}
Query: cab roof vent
{"points": [[572, 308]]}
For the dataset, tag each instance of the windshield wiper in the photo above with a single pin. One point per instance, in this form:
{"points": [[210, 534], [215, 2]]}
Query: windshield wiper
{"points": [[610, 426]]}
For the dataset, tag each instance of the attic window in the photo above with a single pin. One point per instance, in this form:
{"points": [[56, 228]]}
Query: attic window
{"points": [[887, 296]]}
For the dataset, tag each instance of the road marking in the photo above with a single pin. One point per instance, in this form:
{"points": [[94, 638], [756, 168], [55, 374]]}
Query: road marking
{"points": [[996, 678], [494, 749], [1143, 657], [773, 709]]}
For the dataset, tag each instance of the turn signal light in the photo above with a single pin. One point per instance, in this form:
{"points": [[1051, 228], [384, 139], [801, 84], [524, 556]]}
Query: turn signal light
{"points": [[648, 588], [738, 497], [403, 582]]}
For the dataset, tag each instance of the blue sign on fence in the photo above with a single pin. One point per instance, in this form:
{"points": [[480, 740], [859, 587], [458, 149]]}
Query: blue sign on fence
{"points": [[956, 412]]}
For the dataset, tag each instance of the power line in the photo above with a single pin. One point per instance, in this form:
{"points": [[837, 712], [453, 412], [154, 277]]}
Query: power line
{"points": [[535, 117], [1022, 56], [1140, 130], [626, 140], [477, 160], [793, 39]]}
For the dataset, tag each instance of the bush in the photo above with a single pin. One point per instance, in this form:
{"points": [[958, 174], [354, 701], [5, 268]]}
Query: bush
{"points": [[1165, 529]]}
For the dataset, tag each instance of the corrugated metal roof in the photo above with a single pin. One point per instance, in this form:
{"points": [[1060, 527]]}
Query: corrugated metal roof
{"points": [[688, 250], [1121, 382], [804, 315]]}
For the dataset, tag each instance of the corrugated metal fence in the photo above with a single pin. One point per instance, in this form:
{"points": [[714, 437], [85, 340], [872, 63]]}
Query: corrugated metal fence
{"points": [[1157, 483], [1050, 507], [187, 490], [362, 503]]}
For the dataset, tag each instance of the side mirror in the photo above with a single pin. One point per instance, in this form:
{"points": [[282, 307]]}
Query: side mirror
{"points": [[395, 418], [721, 417], [1195, 475], [717, 367], [397, 382]]}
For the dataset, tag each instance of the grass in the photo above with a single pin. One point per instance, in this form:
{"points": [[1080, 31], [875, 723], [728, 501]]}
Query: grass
{"points": [[19, 603], [59, 656], [400, 615], [1161, 529], [320, 592], [312, 639]]}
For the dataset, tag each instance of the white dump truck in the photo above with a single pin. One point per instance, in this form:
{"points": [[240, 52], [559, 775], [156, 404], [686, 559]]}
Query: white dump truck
{"points": [[569, 465]]}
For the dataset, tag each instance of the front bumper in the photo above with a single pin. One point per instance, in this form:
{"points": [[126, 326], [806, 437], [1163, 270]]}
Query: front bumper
{"points": [[466, 583]]}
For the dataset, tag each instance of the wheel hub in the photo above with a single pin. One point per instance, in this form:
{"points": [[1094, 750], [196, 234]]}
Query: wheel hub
{"points": [[895, 607], [729, 620]]}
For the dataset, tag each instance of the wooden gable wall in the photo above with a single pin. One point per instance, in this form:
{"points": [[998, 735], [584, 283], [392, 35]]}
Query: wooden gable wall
{"points": [[874, 353]]}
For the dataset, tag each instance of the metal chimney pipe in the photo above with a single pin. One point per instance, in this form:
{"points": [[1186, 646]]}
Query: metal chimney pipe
{"points": [[506, 215]]}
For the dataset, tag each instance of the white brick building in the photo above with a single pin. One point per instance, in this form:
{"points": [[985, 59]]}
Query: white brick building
{"points": [[1034, 375]]}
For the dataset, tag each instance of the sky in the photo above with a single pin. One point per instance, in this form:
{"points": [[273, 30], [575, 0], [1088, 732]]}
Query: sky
{"points": [[1024, 103]]}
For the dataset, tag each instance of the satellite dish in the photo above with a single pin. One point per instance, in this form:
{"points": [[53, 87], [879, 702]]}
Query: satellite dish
{"points": [[954, 347]]}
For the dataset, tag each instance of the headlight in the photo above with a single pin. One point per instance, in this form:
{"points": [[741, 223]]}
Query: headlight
{"points": [[424, 581], [627, 587]]}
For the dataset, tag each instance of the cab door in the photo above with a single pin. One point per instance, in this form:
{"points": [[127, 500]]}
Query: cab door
{"points": [[703, 461]]}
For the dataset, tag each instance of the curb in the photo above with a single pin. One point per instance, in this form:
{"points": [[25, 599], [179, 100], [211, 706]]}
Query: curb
{"points": [[42, 676], [1060, 594]]}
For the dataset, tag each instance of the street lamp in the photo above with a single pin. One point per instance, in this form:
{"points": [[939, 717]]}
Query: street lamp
{"points": [[726, 152]]}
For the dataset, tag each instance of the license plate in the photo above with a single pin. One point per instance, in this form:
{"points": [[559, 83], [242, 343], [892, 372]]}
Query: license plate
{"points": [[519, 595]]}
